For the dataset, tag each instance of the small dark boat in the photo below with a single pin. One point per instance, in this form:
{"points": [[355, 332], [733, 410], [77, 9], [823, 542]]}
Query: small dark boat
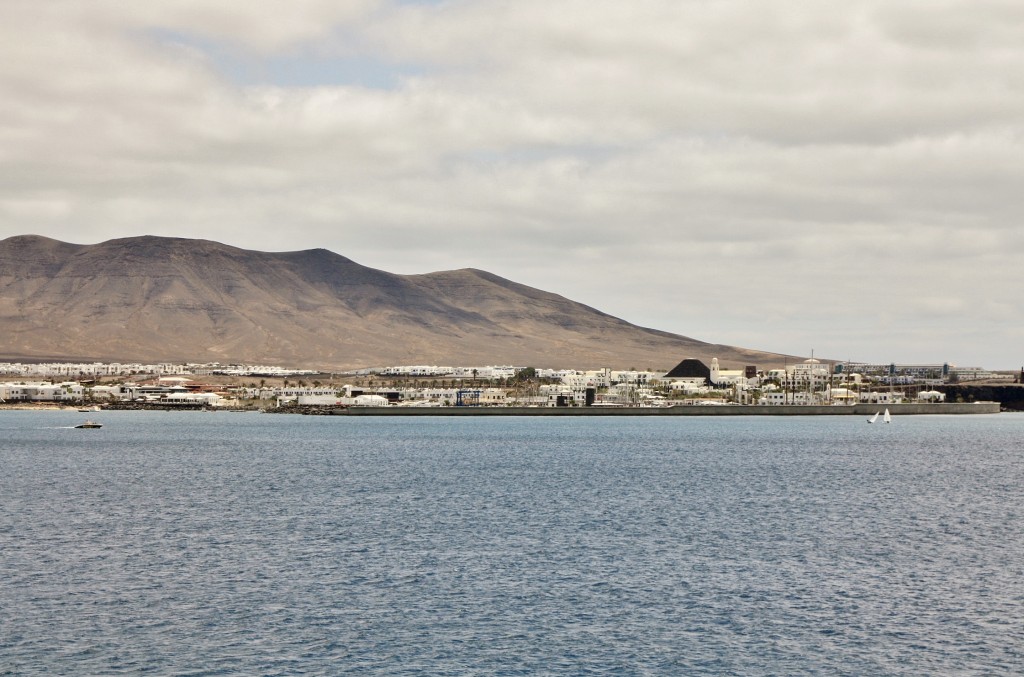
{"points": [[89, 424]]}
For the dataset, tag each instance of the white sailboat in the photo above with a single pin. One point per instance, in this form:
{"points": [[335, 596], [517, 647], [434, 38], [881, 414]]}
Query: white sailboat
{"points": [[886, 417], [873, 418]]}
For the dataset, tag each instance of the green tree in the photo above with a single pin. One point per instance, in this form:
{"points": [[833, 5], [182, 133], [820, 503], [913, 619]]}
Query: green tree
{"points": [[525, 374]]}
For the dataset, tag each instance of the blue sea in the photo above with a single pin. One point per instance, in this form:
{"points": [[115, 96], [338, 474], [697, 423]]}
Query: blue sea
{"points": [[192, 543]]}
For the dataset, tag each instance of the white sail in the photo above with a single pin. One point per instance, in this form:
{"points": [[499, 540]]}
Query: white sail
{"points": [[886, 417], [873, 418]]}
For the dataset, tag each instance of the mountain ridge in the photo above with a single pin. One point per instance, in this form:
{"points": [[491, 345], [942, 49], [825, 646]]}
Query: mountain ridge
{"points": [[151, 298]]}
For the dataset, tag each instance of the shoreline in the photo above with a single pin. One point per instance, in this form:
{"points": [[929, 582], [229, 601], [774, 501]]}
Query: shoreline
{"points": [[908, 409], [866, 410]]}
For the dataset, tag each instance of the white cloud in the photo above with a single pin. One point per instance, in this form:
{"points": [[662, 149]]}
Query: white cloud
{"points": [[780, 176]]}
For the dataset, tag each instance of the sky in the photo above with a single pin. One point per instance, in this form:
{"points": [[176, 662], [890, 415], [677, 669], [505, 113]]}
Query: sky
{"points": [[844, 177]]}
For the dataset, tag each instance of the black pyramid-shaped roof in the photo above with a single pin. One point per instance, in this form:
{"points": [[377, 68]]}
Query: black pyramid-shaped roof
{"points": [[690, 368]]}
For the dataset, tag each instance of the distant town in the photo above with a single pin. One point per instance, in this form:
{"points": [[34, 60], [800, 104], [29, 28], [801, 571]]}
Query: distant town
{"points": [[214, 385]]}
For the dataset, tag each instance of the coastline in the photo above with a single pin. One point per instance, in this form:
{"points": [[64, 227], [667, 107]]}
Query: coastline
{"points": [[866, 410], [909, 409]]}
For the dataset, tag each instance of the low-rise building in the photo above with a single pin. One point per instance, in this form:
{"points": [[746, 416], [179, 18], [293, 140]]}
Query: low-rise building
{"points": [[41, 391]]}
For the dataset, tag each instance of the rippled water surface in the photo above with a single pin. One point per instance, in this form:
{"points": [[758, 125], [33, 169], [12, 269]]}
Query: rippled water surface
{"points": [[196, 543]]}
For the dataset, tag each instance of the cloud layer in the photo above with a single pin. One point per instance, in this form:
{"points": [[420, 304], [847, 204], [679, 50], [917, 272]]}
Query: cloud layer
{"points": [[786, 176]]}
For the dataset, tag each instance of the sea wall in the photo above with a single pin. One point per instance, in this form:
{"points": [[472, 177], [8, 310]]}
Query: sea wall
{"points": [[865, 410]]}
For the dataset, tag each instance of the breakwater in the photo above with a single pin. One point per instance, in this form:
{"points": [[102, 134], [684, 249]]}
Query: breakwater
{"points": [[155, 406], [910, 409]]}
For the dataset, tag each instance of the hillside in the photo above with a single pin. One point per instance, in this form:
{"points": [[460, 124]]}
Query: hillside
{"points": [[171, 299]]}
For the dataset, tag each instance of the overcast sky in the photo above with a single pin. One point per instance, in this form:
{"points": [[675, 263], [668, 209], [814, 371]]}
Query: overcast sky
{"points": [[846, 177]]}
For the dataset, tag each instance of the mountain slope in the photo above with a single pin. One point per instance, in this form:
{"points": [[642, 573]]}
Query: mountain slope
{"points": [[152, 298]]}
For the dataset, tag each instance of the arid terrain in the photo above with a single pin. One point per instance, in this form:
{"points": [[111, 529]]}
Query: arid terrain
{"points": [[170, 299]]}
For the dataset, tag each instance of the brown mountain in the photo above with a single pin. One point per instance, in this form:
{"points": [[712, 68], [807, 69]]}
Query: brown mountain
{"points": [[172, 299]]}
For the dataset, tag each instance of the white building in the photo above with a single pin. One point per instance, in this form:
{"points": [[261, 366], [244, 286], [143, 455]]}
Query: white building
{"points": [[639, 378], [689, 386], [726, 377], [881, 397], [809, 373], [40, 391], [778, 397], [205, 399], [555, 373]]}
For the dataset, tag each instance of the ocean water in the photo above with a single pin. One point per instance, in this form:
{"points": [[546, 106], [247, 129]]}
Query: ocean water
{"points": [[192, 543]]}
